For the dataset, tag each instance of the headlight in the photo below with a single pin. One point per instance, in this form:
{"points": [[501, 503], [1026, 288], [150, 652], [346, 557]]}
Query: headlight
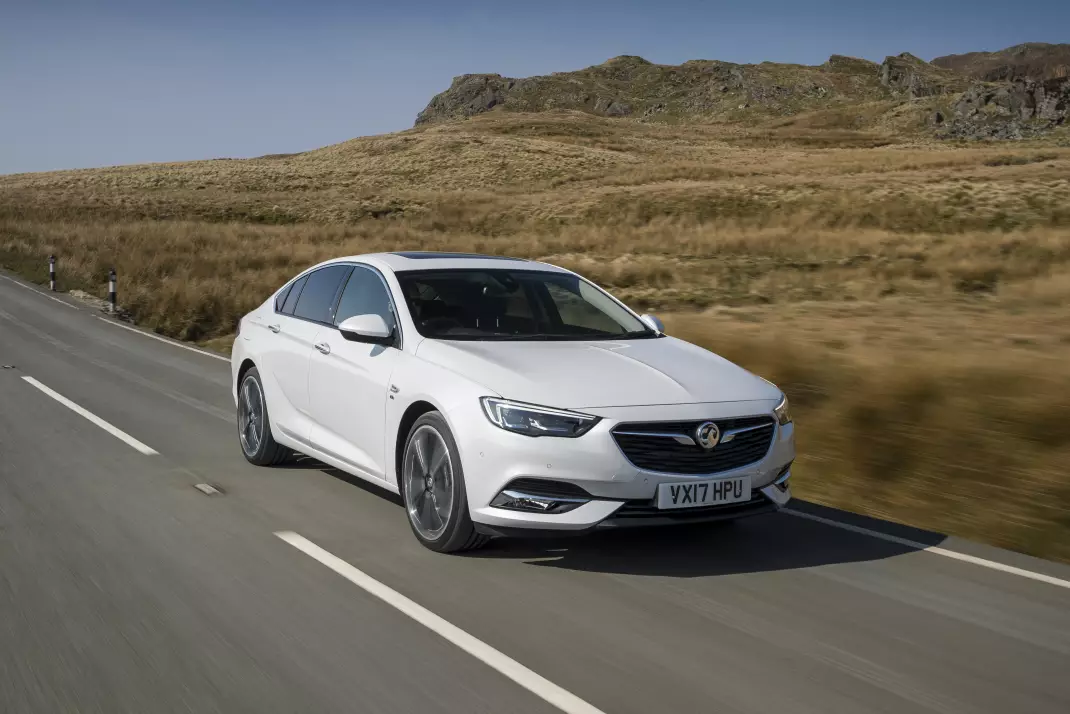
{"points": [[532, 420], [783, 412]]}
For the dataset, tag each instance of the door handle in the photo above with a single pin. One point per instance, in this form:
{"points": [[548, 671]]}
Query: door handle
{"points": [[323, 347], [274, 328]]}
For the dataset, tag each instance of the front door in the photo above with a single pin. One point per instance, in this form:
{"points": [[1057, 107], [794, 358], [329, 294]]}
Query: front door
{"points": [[348, 382]]}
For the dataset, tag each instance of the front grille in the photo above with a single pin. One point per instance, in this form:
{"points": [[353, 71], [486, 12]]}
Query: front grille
{"points": [[664, 454]]}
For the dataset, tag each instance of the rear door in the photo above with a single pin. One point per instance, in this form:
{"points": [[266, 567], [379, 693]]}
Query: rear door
{"points": [[348, 381], [308, 306]]}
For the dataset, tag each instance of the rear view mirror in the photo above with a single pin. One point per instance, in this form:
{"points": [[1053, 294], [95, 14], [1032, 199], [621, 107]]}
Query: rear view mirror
{"points": [[367, 328], [653, 323]]}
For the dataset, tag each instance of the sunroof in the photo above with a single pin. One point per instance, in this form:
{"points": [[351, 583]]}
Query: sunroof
{"points": [[428, 255]]}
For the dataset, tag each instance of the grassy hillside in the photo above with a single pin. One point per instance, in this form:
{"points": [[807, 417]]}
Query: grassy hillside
{"points": [[909, 296]]}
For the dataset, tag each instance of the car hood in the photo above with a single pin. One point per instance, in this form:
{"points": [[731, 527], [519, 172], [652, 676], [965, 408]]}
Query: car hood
{"points": [[599, 373]]}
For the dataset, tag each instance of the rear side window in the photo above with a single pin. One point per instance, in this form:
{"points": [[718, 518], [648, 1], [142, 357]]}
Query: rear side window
{"points": [[291, 298], [280, 299], [320, 294]]}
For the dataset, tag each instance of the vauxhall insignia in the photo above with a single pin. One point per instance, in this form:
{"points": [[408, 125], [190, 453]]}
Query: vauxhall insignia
{"points": [[707, 435]]}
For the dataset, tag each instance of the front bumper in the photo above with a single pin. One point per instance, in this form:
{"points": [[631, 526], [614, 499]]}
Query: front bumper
{"points": [[636, 514], [622, 495]]}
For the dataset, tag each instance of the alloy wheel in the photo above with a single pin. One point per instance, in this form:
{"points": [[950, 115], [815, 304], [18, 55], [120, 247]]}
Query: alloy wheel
{"points": [[251, 416], [428, 474]]}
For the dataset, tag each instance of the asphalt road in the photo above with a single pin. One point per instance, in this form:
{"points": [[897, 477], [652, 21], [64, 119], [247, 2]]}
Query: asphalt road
{"points": [[125, 589]]}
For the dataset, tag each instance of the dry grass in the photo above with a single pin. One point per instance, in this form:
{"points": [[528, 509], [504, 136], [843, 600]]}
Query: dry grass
{"points": [[951, 417], [910, 297]]}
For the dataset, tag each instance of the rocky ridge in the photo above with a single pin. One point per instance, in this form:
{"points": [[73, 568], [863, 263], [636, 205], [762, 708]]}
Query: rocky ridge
{"points": [[714, 91], [1033, 60]]}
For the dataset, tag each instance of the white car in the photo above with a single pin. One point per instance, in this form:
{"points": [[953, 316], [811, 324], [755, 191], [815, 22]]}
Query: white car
{"points": [[504, 397]]}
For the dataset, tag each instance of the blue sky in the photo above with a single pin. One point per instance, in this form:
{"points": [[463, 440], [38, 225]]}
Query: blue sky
{"points": [[105, 82]]}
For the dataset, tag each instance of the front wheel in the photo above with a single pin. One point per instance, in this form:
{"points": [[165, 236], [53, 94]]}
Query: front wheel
{"points": [[432, 487]]}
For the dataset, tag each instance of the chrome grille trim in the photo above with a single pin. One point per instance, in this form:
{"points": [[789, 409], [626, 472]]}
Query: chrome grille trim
{"points": [[657, 446], [682, 438]]}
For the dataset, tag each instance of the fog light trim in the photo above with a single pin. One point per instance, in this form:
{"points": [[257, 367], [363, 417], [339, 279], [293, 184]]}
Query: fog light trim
{"points": [[781, 481], [512, 500]]}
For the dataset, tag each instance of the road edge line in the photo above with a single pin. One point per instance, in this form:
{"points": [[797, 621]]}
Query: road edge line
{"points": [[936, 550], [161, 339], [496, 660], [42, 294]]}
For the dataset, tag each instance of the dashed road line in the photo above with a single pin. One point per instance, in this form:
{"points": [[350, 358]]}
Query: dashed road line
{"points": [[113, 430], [502, 663]]}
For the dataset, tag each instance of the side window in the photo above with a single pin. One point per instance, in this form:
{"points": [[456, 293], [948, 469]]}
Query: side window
{"points": [[280, 299], [318, 298], [291, 297], [365, 294]]}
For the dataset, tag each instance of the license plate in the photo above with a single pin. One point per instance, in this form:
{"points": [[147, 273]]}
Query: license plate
{"points": [[714, 492]]}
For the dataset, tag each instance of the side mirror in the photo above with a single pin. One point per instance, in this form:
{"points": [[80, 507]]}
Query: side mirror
{"points": [[371, 329], [653, 323]]}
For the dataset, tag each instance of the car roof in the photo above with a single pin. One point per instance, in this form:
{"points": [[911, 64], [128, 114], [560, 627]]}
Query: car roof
{"points": [[430, 260]]}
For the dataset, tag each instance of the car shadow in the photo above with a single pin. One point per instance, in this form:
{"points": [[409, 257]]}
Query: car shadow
{"points": [[307, 463], [770, 542]]}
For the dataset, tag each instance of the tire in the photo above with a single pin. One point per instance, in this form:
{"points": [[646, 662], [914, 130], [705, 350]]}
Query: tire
{"points": [[441, 527], [254, 435]]}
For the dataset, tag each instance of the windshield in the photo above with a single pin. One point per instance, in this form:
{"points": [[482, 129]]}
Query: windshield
{"points": [[514, 305]]}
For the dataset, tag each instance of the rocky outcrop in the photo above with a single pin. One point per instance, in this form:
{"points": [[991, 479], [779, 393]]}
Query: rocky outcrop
{"points": [[630, 86], [468, 95], [1014, 110], [915, 77], [851, 65]]}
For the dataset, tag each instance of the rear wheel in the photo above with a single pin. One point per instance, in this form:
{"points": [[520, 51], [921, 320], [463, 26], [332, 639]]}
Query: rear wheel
{"points": [[432, 487], [254, 425]]}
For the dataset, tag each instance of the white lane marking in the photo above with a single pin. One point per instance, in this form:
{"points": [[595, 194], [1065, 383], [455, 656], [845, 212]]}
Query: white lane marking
{"points": [[114, 431], [35, 290], [162, 339], [206, 488], [934, 549], [534, 683]]}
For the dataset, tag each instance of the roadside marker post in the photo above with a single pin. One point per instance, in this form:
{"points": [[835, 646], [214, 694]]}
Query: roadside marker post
{"points": [[111, 290], [52, 272]]}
